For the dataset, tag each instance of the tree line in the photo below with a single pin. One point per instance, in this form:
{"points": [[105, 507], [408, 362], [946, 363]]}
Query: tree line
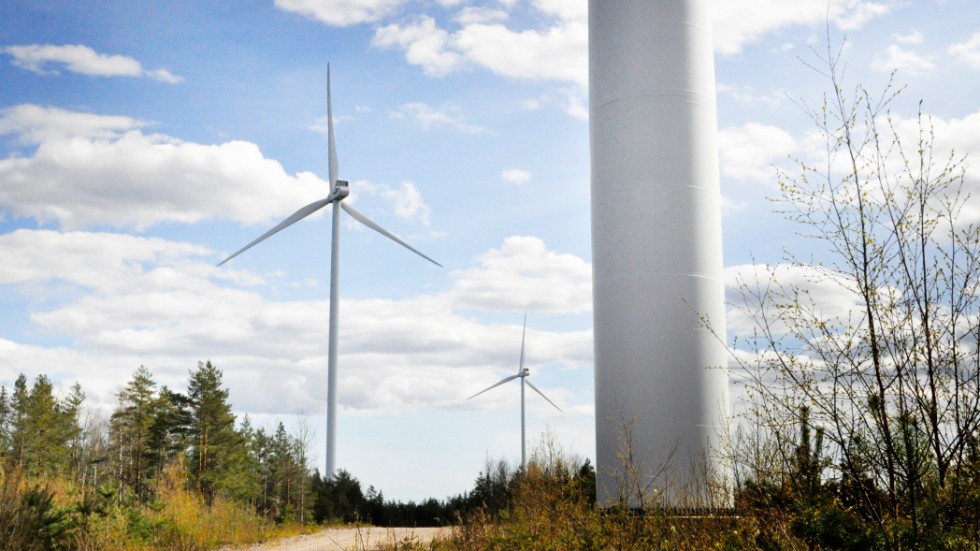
{"points": [[152, 428]]}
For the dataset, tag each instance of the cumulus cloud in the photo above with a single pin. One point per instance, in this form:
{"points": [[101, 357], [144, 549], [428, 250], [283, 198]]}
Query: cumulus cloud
{"points": [[80, 59], [341, 13], [105, 261], [954, 137], [556, 49], [524, 275], [749, 152], [92, 170], [424, 45], [968, 51], [897, 58], [739, 23], [162, 304], [559, 52]]}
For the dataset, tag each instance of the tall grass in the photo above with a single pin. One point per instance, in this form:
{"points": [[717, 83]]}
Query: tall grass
{"points": [[551, 510]]}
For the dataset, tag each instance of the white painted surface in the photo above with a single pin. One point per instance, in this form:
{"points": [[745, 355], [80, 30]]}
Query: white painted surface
{"points": [[656, 246]]}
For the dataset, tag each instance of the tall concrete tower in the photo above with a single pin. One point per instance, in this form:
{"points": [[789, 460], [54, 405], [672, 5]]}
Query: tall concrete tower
{"points": [[661, 385]]}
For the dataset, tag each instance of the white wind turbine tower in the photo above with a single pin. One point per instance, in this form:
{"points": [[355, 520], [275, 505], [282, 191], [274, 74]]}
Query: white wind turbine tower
{"points": [[522, 372], [338, 191]]}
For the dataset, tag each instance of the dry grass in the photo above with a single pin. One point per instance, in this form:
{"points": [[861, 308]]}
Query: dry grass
{"points": [[86, 519]]}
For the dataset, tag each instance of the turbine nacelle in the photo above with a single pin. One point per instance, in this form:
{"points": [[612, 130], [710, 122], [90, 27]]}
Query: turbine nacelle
{"points": [[340, 190]]}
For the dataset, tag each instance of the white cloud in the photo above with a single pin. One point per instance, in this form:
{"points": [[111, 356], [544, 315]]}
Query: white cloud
{"points": [[749, 152], [83, 60], [968, 52], [405, 200], [524, 275], [164, 75], [516, 176], [104, 261], [434, 118], [914, 37], [954, 137], [477, 14], [559, 52], [96, 170], [896, 58], [563, 9], [34, 124], [747, 95], [341, 13], [161, 304], [424, 45], [739, 23], [826, 294]]}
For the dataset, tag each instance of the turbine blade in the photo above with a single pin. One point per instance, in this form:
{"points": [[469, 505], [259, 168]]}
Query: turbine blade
{"points": [[505, 380], [367, 222], [296, 217], [332, 148], [542, 394]]}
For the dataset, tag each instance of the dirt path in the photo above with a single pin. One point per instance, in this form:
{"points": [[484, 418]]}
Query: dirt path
{"points": [[344, 539]]}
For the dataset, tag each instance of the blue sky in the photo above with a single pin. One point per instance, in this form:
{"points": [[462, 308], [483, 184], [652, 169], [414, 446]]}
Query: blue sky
{"points": [[142, 142]]}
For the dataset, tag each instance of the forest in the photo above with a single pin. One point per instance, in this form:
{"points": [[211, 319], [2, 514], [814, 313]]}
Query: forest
{"points": [[70, 476]]}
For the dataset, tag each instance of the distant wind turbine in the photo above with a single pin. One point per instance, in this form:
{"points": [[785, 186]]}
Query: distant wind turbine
{"points": [[338, 191], [523, 373]]}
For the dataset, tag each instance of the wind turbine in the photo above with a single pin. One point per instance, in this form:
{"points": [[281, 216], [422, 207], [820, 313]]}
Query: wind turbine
{"points": [[338, 191], [523, 373]]}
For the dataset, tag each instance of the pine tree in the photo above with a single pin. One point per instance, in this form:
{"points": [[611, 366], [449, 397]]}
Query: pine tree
{"points": [[135, 413], [212, 430]]}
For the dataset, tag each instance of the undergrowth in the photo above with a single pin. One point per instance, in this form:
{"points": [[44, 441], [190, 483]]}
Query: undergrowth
{"points": [[55, 513]]}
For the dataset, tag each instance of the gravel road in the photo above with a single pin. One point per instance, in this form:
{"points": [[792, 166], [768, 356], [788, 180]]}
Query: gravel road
{"points": [[344, 539]]}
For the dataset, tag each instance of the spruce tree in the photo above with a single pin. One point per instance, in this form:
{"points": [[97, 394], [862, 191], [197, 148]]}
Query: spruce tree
{"points": [[169, 435], [18, 408], [42, 427]]}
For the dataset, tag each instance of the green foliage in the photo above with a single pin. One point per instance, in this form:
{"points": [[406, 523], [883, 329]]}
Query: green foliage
{"points": [[38, 432], [340, 499], [212, 430], [29, 519], [130, 430]]}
